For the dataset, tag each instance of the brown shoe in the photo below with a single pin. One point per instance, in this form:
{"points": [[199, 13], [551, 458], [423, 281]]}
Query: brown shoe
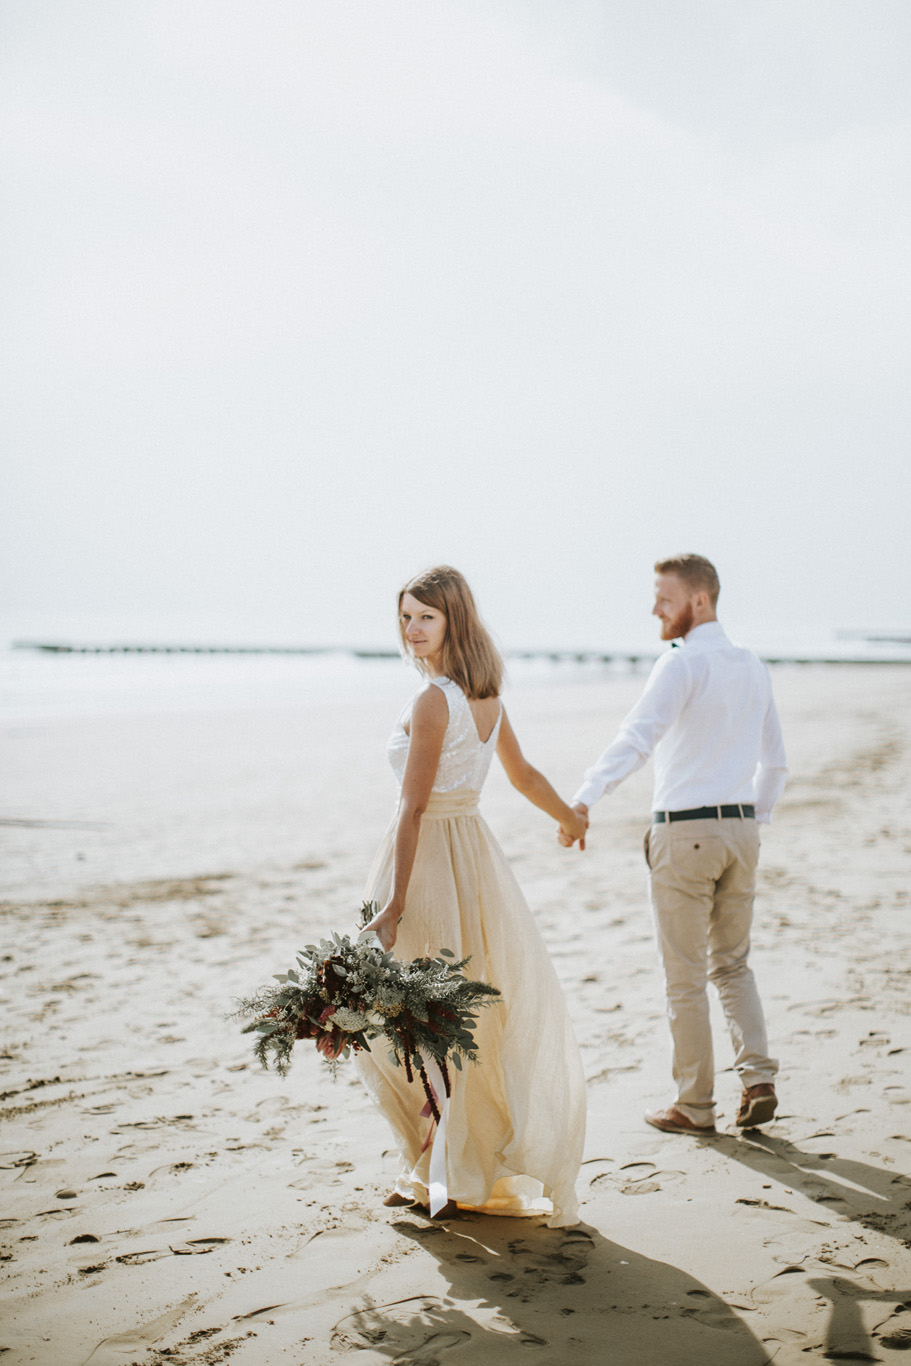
{"points": [[757, 1105], [673, 1122]]}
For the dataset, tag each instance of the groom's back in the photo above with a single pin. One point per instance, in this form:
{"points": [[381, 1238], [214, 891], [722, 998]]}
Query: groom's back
{"points": [[710, 752]]}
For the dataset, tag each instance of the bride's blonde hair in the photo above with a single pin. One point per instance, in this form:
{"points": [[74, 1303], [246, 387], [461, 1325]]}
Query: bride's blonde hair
{"points": [[470, 657]]}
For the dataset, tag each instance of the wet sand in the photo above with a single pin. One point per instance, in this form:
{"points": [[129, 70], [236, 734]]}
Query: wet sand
{"points": [[165, 1201]]}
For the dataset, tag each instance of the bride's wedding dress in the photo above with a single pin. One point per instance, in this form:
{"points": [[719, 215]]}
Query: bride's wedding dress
{"points": [[516, 1120]]}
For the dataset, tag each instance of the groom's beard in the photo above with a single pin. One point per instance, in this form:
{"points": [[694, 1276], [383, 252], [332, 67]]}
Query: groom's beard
{"points": [[681, 625]]}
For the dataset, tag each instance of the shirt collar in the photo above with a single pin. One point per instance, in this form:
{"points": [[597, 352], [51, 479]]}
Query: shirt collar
{"points": [[708, 636]]}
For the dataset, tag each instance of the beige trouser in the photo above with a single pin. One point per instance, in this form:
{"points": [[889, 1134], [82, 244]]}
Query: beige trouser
{"points": [[702, 876]]}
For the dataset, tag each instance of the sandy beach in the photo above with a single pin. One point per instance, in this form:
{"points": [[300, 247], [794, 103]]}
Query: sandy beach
{"points": [[166, 1201]]}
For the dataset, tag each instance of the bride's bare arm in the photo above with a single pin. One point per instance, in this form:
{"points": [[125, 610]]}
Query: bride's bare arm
{"points": [[533, 785], [429, 718]]}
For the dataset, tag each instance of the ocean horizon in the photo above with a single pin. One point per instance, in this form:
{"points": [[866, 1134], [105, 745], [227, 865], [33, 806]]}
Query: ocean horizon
{"points": [[84, 675]]}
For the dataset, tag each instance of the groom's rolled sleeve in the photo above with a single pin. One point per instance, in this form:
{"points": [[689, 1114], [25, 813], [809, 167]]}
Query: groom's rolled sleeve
{"points": [[640, 730]]}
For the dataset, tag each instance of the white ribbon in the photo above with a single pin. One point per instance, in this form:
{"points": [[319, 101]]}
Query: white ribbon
{"points": [[436, 1183]]}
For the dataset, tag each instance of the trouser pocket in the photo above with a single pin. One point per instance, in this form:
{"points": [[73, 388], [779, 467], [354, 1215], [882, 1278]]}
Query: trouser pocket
{"points": [[645, 845], [696, 855]]}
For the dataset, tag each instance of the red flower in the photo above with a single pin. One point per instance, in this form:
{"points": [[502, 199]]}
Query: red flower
{"points": [[331, 1045]]}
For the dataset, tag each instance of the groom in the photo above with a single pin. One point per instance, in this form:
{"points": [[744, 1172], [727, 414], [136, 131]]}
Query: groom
{"points": [[708, 715]]}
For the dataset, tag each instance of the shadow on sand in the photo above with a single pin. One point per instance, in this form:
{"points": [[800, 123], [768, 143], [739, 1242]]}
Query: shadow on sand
{"points": [[876, 1198], [569, 1290]]}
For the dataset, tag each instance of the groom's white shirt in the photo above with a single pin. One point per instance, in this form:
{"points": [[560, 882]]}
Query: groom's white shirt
{"points": [[708, 715]]}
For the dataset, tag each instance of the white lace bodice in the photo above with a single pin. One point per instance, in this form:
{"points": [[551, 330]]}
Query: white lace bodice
{"points": [[465, 759]]}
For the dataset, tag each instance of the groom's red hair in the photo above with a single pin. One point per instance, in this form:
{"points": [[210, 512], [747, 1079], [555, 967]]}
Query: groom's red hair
{"points": [[695, 571]]}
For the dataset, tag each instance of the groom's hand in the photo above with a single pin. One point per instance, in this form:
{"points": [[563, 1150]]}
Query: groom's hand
{"points": [[568, 833]]}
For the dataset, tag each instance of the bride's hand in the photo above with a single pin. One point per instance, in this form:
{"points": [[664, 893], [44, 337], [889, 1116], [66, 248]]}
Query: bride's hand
{"points": [[575, 829], [385, 925]]}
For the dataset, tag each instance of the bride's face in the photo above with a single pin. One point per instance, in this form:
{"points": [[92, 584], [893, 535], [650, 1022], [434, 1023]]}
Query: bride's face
{"points": [[424, 629]]}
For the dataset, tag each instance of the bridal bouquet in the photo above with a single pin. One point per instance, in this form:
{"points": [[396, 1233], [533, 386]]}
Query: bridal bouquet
{"points": [[342, 994]]}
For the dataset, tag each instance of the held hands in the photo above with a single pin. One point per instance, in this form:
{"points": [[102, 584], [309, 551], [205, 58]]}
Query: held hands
{"points": [[570, 831], [385, 924]]}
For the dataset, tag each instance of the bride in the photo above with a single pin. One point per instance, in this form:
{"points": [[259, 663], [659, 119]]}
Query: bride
{"points": [[511, 1142]]}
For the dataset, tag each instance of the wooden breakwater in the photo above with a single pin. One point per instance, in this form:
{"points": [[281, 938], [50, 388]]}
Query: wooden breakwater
{"points": [[630, 658], [58, 648]]}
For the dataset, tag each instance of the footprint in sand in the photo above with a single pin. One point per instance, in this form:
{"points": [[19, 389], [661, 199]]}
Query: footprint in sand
{"points": [[115, 1350], [899, 1341], [410, 1331], [159, 1175], [865, 1266], [714, 1313], [8, 1161], [637, 1178], [419, 1330], [146, 1255], [87, 1266], [827, 1308], [875, 1038], [788, 1222], [539, 1264], [850, 1303], [780, 1286], [197, 1246]]}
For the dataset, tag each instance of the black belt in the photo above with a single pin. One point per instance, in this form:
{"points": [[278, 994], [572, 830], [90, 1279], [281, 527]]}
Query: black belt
{"points": [[704, 813]]}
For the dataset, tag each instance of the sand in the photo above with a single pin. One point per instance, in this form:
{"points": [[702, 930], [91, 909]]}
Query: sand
{"points": [[166, 1201]]}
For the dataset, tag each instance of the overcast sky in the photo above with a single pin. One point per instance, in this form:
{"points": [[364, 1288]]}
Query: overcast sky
{"points": [[299, 298]]}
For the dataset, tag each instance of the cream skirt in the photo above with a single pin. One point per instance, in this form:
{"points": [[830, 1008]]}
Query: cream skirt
{"points": [[516, 1119]]}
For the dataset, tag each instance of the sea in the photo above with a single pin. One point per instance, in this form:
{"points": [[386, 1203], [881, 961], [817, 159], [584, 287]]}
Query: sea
{"points": [[73, 674]]}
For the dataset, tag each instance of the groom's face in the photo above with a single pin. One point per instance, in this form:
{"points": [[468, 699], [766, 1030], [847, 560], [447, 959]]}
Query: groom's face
{"points": [[673, 607]]}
